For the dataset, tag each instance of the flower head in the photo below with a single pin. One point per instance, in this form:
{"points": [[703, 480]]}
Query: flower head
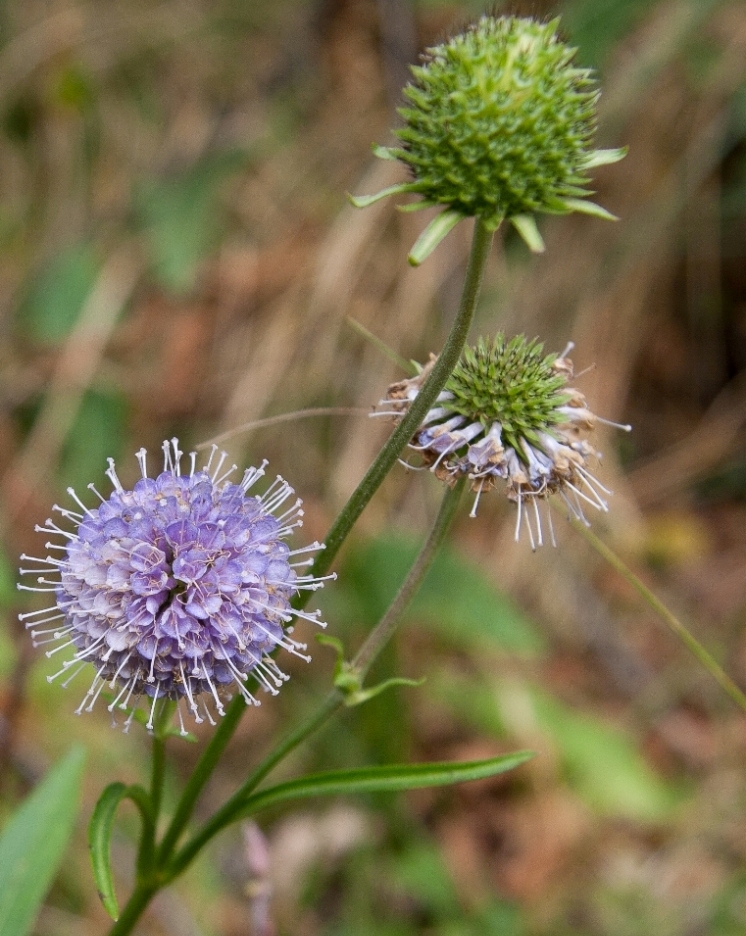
{"points": [[179, 588], [506, 413], [500, 124]]}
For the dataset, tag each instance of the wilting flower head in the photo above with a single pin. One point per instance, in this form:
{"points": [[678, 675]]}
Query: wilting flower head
{"points": [[178, 589], [500, 124], [507, 414]]}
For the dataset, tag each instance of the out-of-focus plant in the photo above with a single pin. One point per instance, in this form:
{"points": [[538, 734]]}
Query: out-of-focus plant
{"points": [[180, 590]]}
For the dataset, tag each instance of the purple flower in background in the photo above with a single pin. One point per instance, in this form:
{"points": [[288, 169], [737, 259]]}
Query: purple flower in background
{"points": [[178, 589]]}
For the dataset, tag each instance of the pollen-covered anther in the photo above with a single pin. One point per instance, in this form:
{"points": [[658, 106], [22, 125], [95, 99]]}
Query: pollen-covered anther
{"points": [[178, 589], [507, 414]]}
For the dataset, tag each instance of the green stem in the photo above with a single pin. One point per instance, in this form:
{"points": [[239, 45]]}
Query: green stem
{"points": [[146, 851], [384, 630], [200, 775], [138, 901], [376, 641], [447, 360], [386, 458], [675, 625]]}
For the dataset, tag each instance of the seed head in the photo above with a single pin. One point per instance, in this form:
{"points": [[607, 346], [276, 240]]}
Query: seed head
{"points": [[178, 589], [506, 413], [500, 124]]}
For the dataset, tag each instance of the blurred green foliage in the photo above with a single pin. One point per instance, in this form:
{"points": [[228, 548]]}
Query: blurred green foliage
{"points": [[95, 156], [56, 294], [33, 841], [181, 217], [456, 601]]}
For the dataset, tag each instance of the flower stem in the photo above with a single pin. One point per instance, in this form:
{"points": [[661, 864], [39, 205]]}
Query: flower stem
{"points": [[146, 851], [384, 630], [200, 775], [447, 360], [386, 458], [376, 641], [673, 623], [139, 899]]}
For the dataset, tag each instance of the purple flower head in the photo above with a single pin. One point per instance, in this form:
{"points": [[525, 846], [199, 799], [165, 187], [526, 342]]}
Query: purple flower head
{"points": [[178, 589]]}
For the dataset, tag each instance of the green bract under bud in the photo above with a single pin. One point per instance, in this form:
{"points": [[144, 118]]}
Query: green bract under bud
{"points": [[500, 125]]}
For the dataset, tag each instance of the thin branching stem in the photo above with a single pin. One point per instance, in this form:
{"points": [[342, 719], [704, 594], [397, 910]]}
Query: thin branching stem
{"points": [[672, 622], [385, 460], [381, 634]]}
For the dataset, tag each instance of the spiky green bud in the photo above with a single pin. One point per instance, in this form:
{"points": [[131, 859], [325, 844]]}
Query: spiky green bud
{"points": [[508, 413], [510, 382], [500, 125]]}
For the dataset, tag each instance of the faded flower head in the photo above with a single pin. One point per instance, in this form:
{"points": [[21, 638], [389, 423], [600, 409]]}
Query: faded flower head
{"points": [[178, 589], [500, 124], [506, 413]]}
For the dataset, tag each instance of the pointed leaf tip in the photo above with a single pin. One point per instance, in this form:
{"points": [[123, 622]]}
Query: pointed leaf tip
{"points": [[383, 152], [433, 234], [605, 157], [362, 201], [526, 227], [589, 208], [391, 778]]}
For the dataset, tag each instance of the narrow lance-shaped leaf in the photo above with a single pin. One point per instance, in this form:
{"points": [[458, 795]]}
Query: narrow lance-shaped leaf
{"points": [[589, 208], [392, 778], [604, 157], [526, 227], [33, 842], [433, 235], [362, 201], [99, 838]]}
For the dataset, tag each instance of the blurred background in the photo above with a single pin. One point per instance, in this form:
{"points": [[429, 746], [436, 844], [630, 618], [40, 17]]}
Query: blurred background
{"points": [[178, 258]]}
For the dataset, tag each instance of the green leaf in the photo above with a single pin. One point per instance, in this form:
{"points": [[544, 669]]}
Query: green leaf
{"points": [[589, 208], [433, 234], [384, 152], [602, 763], [364, 695], [99, 838], [388, 779], [33, 842], [362, 201], [526, 227], [180, 218], [604, 157], [99, 841], [55, 299]]}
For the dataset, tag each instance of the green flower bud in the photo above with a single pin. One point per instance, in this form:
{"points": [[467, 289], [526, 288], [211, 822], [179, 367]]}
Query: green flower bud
{"points": [[507, 413], [500, 125]]}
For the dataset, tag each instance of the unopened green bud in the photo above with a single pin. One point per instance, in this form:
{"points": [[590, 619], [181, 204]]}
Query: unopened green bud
{"points": [[500, 125]]}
